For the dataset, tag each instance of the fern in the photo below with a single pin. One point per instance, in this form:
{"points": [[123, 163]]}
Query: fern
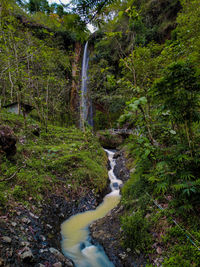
{"points": [[162, 187]]}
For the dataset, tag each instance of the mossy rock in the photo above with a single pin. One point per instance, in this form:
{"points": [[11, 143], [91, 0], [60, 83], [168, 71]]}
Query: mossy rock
{"points": [[108, 139]]}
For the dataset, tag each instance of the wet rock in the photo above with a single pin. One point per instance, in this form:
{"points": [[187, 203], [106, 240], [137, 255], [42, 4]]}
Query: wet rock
{"points": [[120, 169], [6, 239], [7, 140]]}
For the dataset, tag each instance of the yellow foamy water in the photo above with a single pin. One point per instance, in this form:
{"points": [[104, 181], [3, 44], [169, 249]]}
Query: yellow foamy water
{"points": [[75, 233], [74, 229]]}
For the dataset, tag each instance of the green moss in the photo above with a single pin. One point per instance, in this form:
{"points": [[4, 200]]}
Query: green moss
{"points": [[57, 158]]}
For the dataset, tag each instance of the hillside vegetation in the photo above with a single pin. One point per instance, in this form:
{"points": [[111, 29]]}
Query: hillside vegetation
{"points": [[145, 73], [143, 76]]}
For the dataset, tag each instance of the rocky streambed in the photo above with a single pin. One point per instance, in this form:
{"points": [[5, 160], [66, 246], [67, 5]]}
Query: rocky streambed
{"points": [[31, 236]]}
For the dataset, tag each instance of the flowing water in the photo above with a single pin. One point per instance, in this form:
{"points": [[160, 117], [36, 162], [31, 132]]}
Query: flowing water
{"points": [[76, 242], [86, 112]]}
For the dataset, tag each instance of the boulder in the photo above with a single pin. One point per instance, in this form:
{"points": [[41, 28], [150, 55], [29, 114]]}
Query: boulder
{"points": [[7, 140], [109, 139]]}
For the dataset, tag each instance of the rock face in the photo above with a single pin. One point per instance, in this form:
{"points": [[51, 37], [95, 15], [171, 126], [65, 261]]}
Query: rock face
{"points": [[7, 140], [120, 169]]}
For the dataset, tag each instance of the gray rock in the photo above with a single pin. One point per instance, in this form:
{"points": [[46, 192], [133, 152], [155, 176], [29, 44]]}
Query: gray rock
{"points": [[122, 255], [43, 238], [13, 224], [43, 250], [49, 226], [6, 239], [33, 215], [26, 255], [61, 257], [26, 220], [57, 264], [9, 252], [25, 244]]}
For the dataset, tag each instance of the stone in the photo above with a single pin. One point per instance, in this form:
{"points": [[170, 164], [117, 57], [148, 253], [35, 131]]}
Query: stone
{"points": [[13, 224], [25, 244], [6, 239], [57, 254], [68, 263], [33, 215], [49, 226], [26, 220], [41, 265], [159, 250], [122, 255], [43, 250], [57, 264], [1, 262], [61, 257], [43, 238], [27, 255], [9, 252]]}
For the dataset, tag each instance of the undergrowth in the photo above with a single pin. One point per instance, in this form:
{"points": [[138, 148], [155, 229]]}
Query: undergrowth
{"points": [[163, 191], [61, 161]]}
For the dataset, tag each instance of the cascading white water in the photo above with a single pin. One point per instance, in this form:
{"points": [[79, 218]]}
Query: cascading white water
{"points": [[86, 112], [76, 242]]}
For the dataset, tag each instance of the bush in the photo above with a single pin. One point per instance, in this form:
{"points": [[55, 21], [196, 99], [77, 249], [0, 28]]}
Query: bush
{"points": [[135, 229]]}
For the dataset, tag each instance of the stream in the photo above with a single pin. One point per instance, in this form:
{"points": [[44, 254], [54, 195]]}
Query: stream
{"points": [[76, 242]]}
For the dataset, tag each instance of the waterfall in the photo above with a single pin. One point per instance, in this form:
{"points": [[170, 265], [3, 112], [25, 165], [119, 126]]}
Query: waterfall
{"points": [[86, 112]]}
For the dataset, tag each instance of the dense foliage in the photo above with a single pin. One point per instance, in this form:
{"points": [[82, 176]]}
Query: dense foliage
{"points": [[144, 75], [145, 71], [37, 59]]}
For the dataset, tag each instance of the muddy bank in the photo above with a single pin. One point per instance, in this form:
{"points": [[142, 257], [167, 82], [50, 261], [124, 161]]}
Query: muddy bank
{"points": [[107, 231], [31, 237]]}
